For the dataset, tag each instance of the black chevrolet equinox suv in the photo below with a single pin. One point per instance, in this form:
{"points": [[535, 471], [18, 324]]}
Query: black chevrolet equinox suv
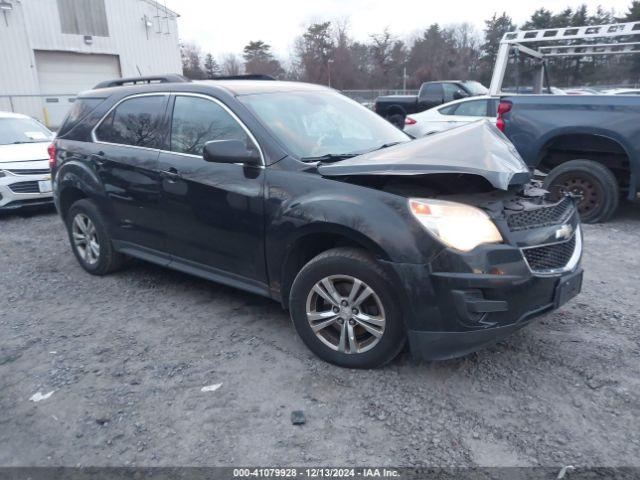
{"points": [[295, 192]]}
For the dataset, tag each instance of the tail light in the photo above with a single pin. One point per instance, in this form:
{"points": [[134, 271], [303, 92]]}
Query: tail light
{"points": [[410, 121], [51, 149], [503, 107]]}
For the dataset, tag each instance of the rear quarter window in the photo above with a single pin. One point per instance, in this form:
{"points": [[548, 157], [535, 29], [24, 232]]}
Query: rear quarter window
{"points": [[80, 109]]}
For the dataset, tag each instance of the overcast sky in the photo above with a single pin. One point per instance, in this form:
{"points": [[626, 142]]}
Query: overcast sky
{"points": [[224, 26]]}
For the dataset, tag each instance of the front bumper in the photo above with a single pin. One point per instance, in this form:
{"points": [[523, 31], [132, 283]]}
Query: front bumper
{"points": [[462, 302], [18, 191]]}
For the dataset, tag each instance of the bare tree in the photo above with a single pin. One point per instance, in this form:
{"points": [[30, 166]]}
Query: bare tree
{"points": [[191, 61], [231, 65]]}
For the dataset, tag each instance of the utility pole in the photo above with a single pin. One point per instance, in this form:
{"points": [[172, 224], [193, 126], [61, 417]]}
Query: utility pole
{"points": [[404, 78]]}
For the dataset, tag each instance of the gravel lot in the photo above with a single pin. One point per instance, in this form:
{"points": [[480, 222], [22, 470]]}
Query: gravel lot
{"points": [[126, 357]]}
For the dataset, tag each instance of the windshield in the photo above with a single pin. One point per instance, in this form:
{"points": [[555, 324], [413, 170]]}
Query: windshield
{"points": [[476, 88], [322, 123], [23, 130]]}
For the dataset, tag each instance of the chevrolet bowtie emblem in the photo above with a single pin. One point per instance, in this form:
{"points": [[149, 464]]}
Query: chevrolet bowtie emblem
{"points": [[564, 232]]}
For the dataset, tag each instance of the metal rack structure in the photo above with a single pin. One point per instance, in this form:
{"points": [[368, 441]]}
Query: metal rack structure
{"points": [[612, 39]]}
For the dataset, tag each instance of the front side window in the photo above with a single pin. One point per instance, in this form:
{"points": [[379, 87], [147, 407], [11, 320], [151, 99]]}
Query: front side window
{"points": [[136, 122], [197, 121], [321, 122], [450, 90], [476, 108]]}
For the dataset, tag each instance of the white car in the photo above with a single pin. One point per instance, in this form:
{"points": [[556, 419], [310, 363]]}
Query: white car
{"points": [[624, 91], [450, 115], [25, 177]]}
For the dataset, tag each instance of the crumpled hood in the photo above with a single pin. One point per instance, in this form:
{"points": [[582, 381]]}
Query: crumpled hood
{"points": [[478, 148]]}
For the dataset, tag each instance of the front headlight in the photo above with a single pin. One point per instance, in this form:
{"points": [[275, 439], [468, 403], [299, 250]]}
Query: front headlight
{"points": [[457, 225]]}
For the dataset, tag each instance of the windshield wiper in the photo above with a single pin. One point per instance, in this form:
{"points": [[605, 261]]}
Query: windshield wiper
{"points": [[341, 156], [385, 145], [21, 142], [329, 157]]}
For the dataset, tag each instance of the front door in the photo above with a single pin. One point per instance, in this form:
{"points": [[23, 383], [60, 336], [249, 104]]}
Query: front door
{"points": [[213, 212], [126, 159]]}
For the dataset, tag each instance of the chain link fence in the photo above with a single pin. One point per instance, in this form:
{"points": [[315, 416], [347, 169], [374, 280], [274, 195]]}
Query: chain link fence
{"points": [[368, 97]]}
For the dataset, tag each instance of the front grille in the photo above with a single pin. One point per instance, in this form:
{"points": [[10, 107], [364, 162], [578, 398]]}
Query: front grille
{"points": [[550, 257], [35, 171], [25, 187], [541, 217]]}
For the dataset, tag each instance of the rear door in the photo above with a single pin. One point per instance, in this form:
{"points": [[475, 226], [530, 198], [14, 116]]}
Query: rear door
{"points": [[125, 154], [213, 212]]}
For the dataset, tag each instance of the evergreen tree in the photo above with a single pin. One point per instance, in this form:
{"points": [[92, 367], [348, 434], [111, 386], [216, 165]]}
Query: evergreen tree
{"points": [[211, 67]]}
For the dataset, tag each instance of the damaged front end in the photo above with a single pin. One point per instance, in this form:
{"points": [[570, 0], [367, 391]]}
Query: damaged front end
{"points": [[509, 253]]}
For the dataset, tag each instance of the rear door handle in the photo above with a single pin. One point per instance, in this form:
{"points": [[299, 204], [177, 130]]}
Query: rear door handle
{"points": [[99, 158], [172, 174]]}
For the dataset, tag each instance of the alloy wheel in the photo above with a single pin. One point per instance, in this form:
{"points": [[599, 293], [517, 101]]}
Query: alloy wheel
{"points": [[345, 314], [85, 238]]}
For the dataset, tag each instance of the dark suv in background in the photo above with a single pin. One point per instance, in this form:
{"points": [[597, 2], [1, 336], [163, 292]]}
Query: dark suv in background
{"points": [[295, 192]]}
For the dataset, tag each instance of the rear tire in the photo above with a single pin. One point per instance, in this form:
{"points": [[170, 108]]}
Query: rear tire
{"points": [[360, 319], [397, 119], [90, 241], [595, 182]]}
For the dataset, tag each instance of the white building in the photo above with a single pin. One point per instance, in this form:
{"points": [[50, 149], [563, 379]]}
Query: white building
{"points": [[50, 50]]}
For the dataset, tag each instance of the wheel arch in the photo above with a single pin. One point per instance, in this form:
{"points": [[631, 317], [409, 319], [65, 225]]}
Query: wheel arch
{"points": [[599, 145], [314, 239], [395, 110], [74, 181]]}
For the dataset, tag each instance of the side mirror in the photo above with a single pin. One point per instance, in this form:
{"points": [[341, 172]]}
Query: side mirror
{"points": [[230, 151], [460, 94]]}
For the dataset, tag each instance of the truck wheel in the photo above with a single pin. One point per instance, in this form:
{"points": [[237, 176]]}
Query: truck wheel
{"points": [[344, 307], [397, 119], [593, 181], [90, 241]]}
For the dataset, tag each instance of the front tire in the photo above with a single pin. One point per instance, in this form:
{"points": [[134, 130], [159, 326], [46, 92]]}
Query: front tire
{"points": [[345, 309], [593, 181], [90, 241]]}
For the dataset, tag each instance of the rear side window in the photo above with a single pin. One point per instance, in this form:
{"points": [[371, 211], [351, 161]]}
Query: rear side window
{"points": [[136, 122], [197, 121], [432, 90], [474, 108], [448, 110]]}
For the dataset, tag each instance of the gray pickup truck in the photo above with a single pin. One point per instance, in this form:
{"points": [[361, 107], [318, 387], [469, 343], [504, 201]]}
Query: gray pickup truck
{"points": [[588, 145]]}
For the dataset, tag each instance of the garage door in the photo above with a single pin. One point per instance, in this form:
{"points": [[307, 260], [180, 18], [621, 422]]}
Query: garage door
{"points": [[62, 73]]}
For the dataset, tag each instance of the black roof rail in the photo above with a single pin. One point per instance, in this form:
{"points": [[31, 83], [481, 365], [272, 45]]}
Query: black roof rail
{"points": [[121, 82], [248, 76]]}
